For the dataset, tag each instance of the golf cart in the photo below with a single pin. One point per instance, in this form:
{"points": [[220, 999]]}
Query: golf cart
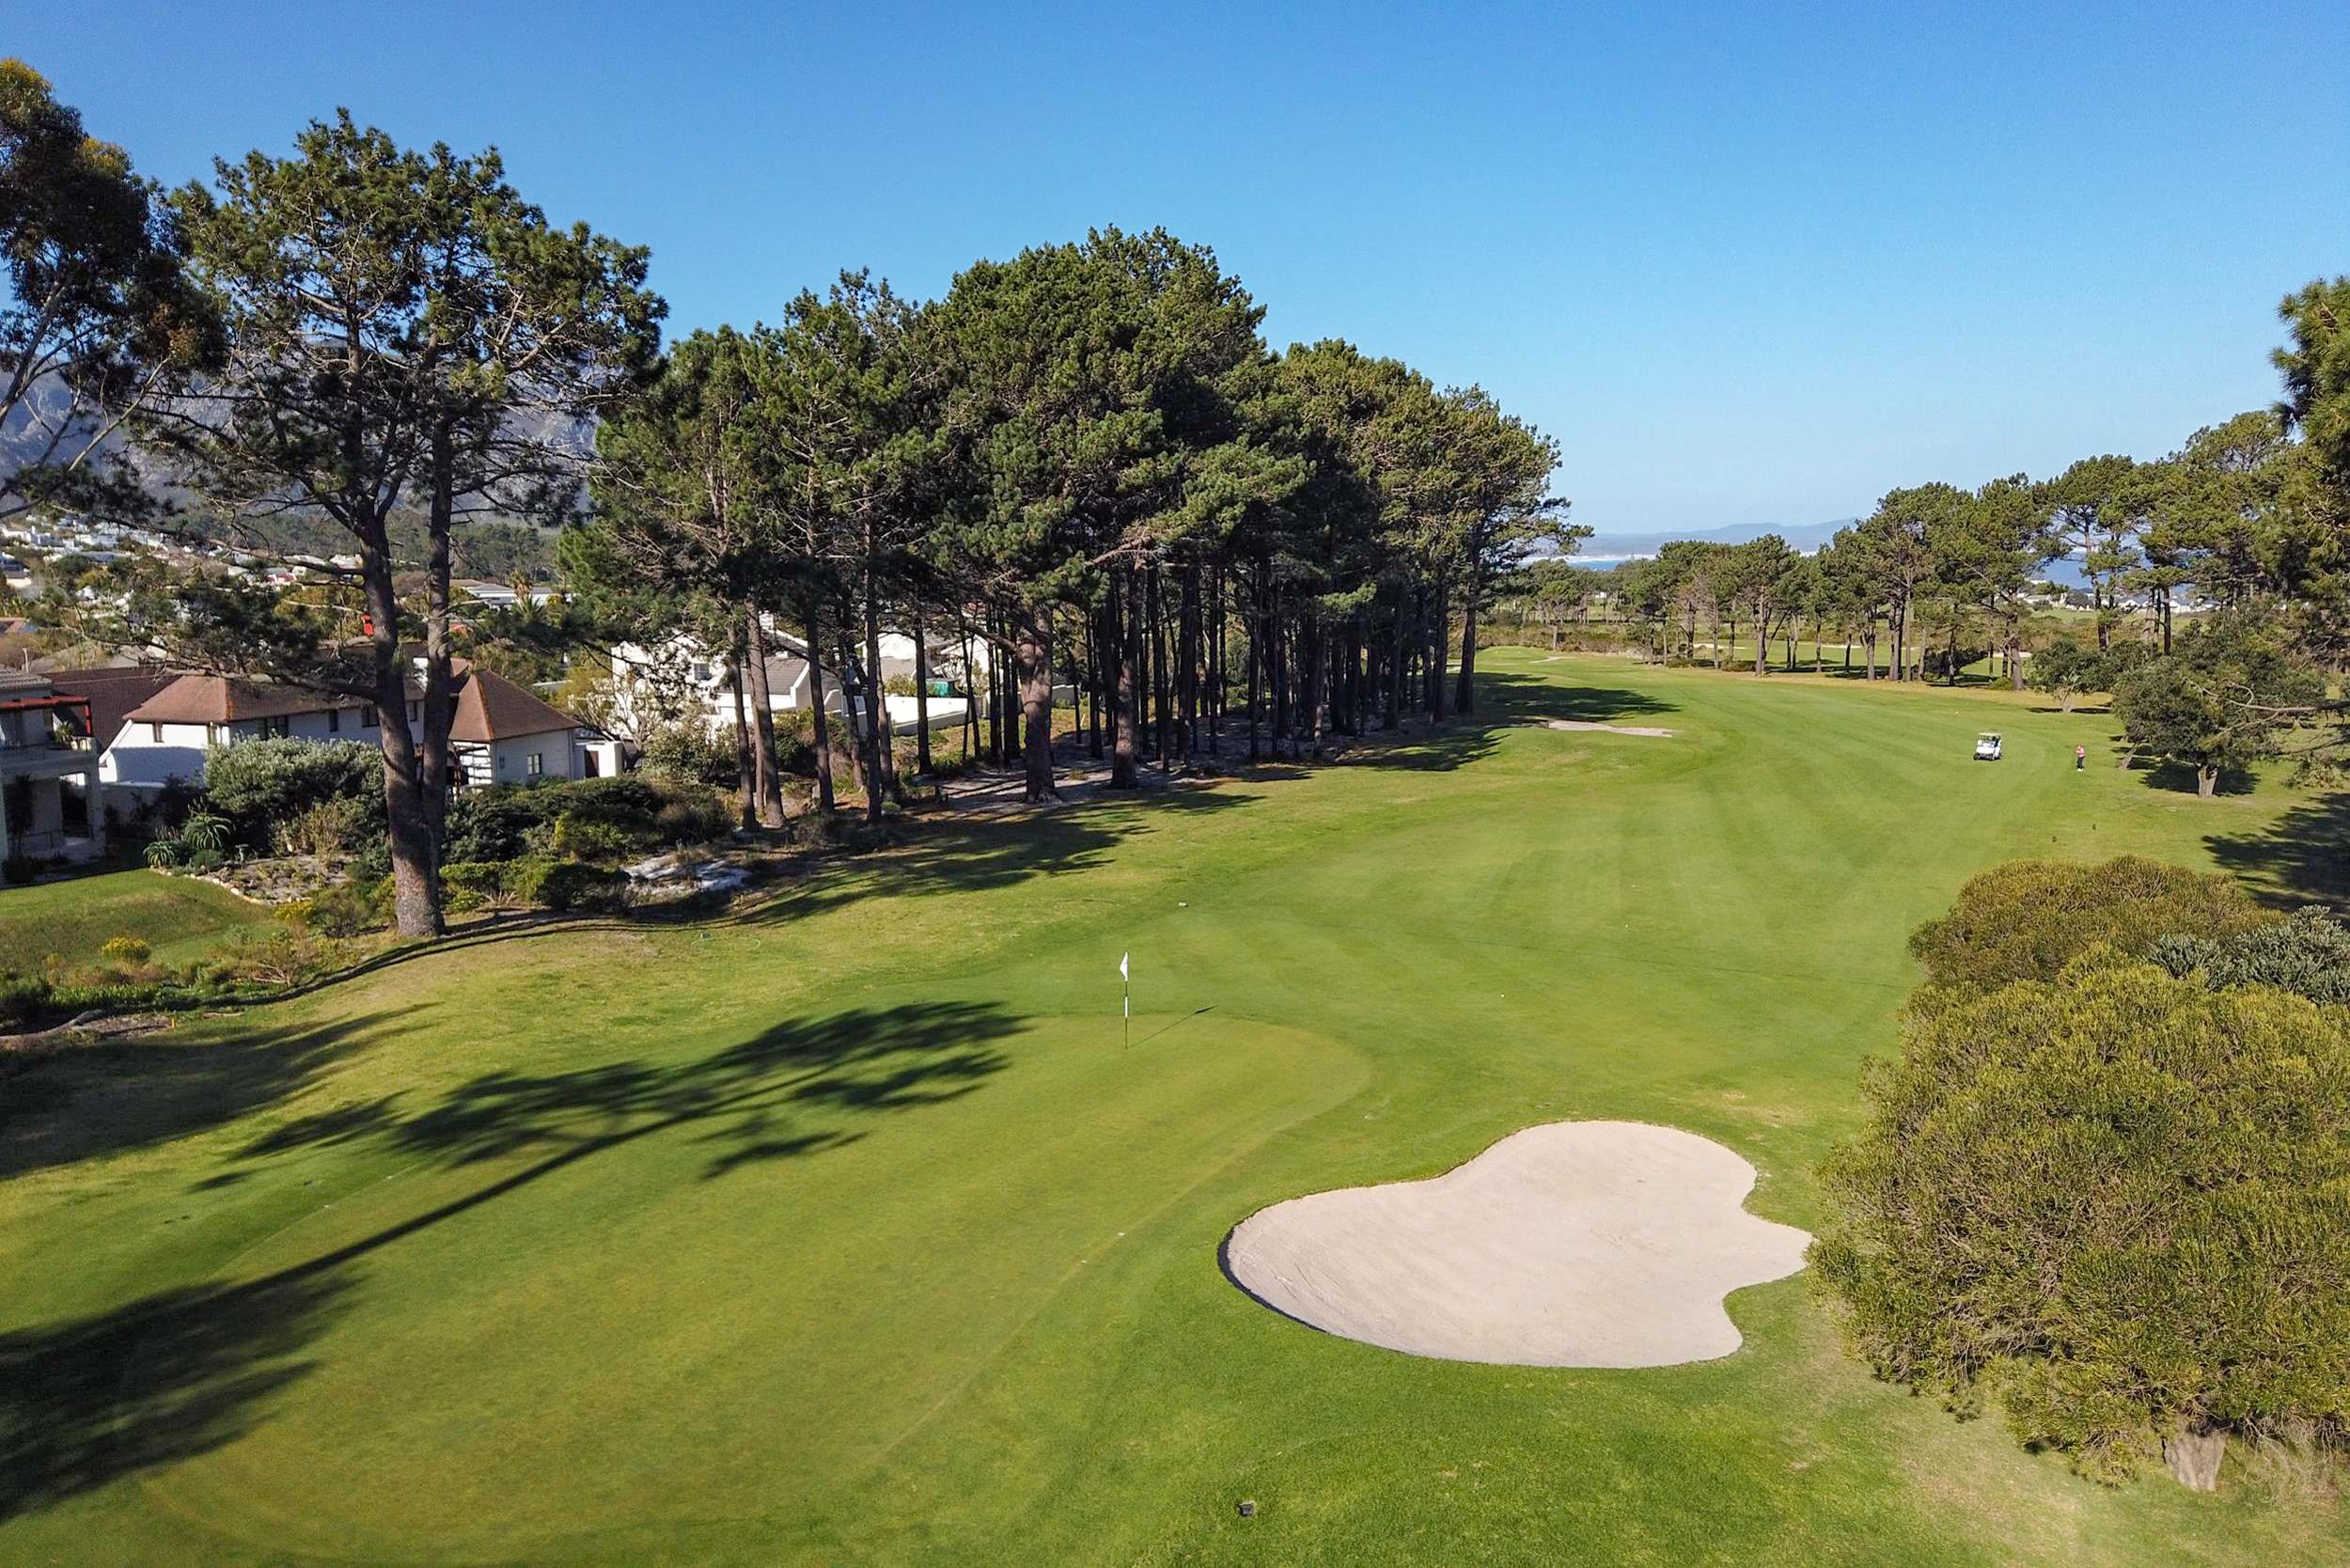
{"points": [[1987, 747]]}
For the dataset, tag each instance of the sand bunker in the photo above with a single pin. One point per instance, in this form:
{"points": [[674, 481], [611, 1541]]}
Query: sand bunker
{"points": [[1577, 1244], [1612, 729]]}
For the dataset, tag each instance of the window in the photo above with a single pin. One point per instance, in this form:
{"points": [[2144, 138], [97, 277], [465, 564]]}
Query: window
{"points": [[333, 721], [538, 764], [155, 734], [367, 716], [280, 726], [415, 711]]}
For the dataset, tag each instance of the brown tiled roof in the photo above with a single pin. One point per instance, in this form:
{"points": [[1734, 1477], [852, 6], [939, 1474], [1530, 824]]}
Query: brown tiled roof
{"points": [[113, 693], [222, 699], [492, 708]]}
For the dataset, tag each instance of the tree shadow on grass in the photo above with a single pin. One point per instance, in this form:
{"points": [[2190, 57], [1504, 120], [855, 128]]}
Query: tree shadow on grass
{"points": [[2179, 779], [80, 1102], [2302, 857], [89, 1401], [1505, 701]]}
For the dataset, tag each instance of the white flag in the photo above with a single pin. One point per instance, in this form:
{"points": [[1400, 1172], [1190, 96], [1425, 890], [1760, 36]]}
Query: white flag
{"points": [[1121, 964]]}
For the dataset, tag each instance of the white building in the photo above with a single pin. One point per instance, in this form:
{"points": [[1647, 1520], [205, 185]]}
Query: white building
{"points": [[682, 680], [500, 733], [44, 744]]}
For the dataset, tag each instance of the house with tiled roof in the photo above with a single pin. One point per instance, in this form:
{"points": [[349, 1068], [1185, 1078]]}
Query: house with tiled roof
{"points": [[500, 732]]}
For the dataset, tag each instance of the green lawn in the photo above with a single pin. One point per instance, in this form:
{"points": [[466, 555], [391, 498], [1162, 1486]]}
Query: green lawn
{"points": [[180, 918], [847, 1231]]}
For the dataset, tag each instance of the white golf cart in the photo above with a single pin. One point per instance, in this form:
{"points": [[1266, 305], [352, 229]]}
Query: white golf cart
{"points": [[1987, 747]]}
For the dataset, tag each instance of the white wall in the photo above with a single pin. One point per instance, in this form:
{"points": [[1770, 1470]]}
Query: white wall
{"points": [[141, 758]]}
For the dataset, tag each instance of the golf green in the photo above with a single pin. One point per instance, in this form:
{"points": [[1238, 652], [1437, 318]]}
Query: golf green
{"points": [[848, 1229]]}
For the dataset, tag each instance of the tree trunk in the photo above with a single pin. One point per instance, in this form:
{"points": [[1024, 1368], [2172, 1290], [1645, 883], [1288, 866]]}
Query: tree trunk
{"points": [[1035, 663], [2193, 1454], [921, 694], [746, 771], [765, 770], [2207, 780], [813, 624], [436, 765], [415, 880], [880, 747], [1465, 687], [1438, 602], [1123, 710], [1394, 713]]}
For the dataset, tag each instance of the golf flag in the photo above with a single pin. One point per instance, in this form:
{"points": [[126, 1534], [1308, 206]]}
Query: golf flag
{"points": [[1121, 964]]}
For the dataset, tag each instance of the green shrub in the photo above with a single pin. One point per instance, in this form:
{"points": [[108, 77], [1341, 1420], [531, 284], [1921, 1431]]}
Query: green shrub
{"points": [[23, 997], [337, 829], [693, 818], [689, 753], [349, 908], [2308, 955], [566, 885], [582, 837], [126, 952], [258, 785], [473, 885], [2027, 919], [2116, 1206]]}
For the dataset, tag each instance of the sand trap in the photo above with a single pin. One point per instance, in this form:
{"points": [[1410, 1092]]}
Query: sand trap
{"points": [[1612, 729], [1576, 1244]]}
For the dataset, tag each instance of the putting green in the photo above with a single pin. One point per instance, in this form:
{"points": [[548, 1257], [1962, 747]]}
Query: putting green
{"points": [[848, 1230]]}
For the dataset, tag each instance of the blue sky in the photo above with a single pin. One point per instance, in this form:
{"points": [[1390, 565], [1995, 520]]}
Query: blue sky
{"points": [[1747, 265]]}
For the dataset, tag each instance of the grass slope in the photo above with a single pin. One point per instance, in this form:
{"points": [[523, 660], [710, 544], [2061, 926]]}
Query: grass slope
{"points": [[178, 918], [848, 1231]]}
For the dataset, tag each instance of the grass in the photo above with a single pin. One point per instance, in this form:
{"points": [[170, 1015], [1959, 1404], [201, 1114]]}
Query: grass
{"points": [[846, 1230], [178, 918]]}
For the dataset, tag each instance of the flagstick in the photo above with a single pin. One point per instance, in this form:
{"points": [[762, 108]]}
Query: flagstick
{"points": [[1129, 1011]]}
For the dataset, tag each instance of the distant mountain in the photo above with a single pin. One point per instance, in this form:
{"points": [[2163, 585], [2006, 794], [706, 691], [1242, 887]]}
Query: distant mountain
{"points": [[1610, 549]]}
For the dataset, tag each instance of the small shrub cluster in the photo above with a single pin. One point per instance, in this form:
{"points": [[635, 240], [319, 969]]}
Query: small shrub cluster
{"points": [[262, 786]]}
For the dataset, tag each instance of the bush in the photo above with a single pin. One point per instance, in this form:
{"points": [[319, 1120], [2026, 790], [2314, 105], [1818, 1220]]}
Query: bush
{"points": [[2117, 1206], [2027, 919], [23, 997], [258, 785], [697, 818], [585, 838], [349, 908], [126, 952], [2308, 955], [689, 754], [476, 885], [566, 885], [507, 821], [333, 829]]}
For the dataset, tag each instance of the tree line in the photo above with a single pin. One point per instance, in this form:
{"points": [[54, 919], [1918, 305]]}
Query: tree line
{"points": [[1085, 458]]}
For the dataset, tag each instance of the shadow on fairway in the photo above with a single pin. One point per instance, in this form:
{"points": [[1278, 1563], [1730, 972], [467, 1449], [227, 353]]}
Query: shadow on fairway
{"points": [[2177, 779], [85, 1100], [1504, 702], [2302, 857], [180, 1373]]}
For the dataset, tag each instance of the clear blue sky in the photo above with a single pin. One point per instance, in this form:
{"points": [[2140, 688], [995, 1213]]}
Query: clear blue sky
{"points": [[1746, 265]]}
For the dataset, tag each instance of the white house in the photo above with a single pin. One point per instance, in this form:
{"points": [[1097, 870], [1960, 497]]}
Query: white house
{"points": [[44, 744], [683, 678], [500, 733]]}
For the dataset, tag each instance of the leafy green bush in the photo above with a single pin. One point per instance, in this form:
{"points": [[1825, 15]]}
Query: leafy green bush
{"points": [[566, 884], [260, 784], [695, 818], [349, 908], [2029, 918], [689, 754], [584, 838], [2308, 955], [2117, 1206], [338, 829], [127, 953]]}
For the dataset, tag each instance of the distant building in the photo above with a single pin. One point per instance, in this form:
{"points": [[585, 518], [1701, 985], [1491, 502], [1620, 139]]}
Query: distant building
{"points": [[45, 745], [500, 733]]}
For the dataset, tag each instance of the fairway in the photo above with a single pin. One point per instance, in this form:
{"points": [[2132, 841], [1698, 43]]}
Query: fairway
{"points": [[180, 918], [846, 1231]]}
